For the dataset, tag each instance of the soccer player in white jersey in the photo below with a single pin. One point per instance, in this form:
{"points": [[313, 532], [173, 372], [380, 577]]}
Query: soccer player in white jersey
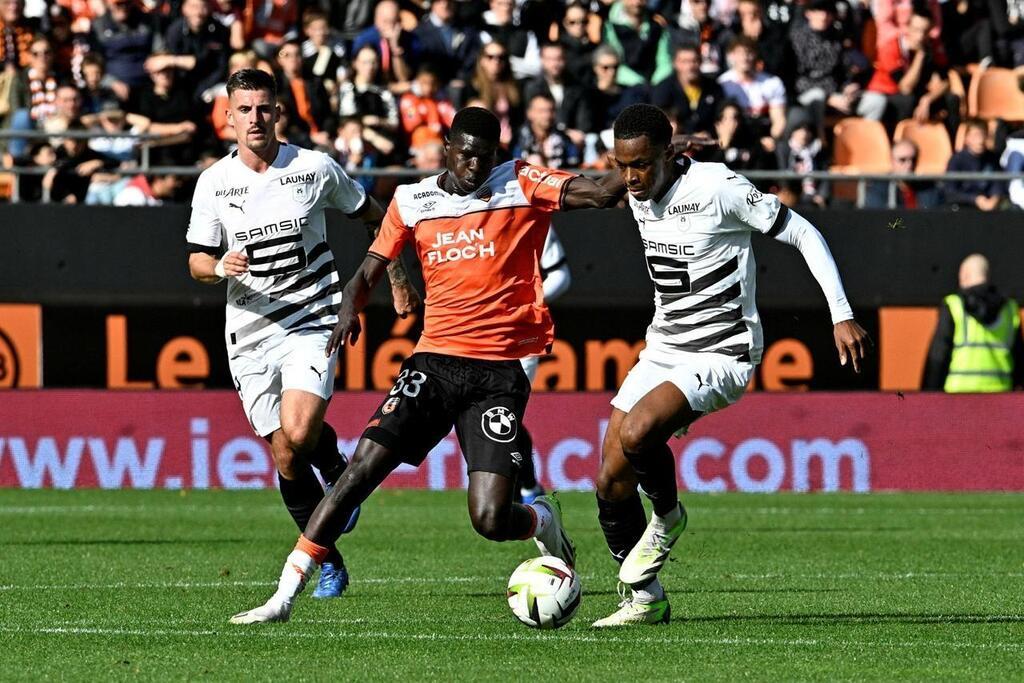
{"points": [[554, 270], [262, 207], [695, 221]]}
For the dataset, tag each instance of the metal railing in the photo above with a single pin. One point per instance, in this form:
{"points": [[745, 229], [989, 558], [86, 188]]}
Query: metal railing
{"points": [[861, 179]]}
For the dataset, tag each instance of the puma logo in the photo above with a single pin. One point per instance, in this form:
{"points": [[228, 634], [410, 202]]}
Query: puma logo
{"points": [[319, 374], [730, 177], [700, 382], [237, 206]]}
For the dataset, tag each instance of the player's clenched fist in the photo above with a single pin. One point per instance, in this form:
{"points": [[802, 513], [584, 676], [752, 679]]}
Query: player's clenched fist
{"points": [[233, 264], [406, 298]]}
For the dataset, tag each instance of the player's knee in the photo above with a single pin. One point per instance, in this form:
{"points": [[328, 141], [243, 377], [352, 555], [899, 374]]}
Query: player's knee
{"points": [[491, 522], [634, 433], [300, 435]]}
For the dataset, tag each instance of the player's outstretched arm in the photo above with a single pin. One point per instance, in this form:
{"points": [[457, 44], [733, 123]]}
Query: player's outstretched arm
{"points": [[404, 295], [210, 270], [608, 190], [586, 193], [354, 300], [852, 341]]}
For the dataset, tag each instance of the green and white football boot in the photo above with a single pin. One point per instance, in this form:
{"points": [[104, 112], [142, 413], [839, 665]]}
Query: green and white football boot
{"points": [[648, 556]]}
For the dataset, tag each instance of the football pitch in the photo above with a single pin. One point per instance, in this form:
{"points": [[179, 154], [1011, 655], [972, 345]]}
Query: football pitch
{"points": [[121, 585]]}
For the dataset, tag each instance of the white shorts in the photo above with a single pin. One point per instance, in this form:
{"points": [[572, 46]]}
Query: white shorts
{"points": [[530, 364], [292, 361], [709, 381]]}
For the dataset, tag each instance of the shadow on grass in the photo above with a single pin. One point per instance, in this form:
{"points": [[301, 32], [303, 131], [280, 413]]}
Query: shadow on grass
{"points": [[129, 541], [865, 619], [803, 530], [673, 591]]}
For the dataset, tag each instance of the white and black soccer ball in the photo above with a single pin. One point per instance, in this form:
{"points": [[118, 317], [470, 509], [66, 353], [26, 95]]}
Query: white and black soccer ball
{"points": [[544, 592]]}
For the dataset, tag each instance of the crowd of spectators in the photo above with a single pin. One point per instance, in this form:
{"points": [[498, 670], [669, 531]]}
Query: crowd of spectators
{"points": [[376, 83]]}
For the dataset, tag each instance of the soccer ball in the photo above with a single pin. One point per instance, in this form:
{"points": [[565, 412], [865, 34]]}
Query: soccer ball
{"points": [[544, 592]]}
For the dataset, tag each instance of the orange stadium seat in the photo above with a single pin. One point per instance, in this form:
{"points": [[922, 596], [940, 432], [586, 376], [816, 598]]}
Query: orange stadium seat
{"points": [[995, 93], [932, 140], [861, 145]]}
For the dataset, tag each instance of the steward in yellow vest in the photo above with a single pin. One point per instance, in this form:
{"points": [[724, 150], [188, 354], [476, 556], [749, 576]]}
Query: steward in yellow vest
{"points": [[977, 346]]}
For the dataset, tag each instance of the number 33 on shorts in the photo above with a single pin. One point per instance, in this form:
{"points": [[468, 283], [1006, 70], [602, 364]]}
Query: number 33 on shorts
{"points": [[408, 383]]}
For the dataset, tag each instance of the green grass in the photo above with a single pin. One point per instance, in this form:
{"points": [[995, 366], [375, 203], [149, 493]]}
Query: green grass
{"points": [[99, 585]]}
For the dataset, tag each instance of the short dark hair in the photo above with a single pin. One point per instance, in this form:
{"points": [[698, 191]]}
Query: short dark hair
{"points": [[476, 122], [976, 123], [744, 42], [94, 59], [252, 79], [688, 47], [638, 120]]}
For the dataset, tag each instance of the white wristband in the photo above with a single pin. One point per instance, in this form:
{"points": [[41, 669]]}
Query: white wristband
{"points": [[219, 269]]}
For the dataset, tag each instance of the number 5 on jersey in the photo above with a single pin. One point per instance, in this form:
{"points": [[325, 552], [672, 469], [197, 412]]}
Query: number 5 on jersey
{"points": [[670, 276]]}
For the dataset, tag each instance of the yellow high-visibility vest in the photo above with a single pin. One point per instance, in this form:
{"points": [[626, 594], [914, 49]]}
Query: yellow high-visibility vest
{"points": [[982, 358]]}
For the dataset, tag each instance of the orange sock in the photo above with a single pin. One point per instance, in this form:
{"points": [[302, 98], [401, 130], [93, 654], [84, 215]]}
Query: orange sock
{"points": [[317, 552]]}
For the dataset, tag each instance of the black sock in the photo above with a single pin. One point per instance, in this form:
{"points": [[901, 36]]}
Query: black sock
{"points": [[656, 470], [301, 496], [623, 524], [326, 457], [527, 471]]}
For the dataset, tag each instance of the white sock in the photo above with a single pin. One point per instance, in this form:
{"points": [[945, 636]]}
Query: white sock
{"points": [[543, 518], [670, 519], [297, 569], [652, 592]]}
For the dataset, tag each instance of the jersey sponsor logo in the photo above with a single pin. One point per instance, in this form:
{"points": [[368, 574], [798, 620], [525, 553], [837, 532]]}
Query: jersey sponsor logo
{"points": [[429, 205], [244, 301], [271, 229], [232, 192], [240, 207], [461, 245], [517, 458], [499, 424], [754, 197], [298, 178], [319, 373], [537, 176], [669, 249], [693, 207], [428, 193]]}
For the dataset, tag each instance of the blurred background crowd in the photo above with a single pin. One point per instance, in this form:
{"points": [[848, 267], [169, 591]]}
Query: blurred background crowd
{"points": [[870, 86]]}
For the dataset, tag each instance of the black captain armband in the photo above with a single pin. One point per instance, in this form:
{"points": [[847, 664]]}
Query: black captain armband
{"points": [[780, 221], [361, 209], [193, 248]]}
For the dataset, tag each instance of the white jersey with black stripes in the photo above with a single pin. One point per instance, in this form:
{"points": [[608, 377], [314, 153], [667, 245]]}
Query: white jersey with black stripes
{"points": [[277, 219], [696, 241]]}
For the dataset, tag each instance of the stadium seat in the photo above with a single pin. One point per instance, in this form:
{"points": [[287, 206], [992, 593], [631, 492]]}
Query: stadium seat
{"points": [[861, 145], [995, 93], [932, 140]]}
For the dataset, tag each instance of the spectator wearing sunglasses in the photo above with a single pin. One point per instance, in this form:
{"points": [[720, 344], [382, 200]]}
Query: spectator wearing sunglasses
{"points": [[902, 194]]}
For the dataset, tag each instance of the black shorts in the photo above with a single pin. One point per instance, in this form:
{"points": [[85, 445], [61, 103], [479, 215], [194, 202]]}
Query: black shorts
{"points": [[483, 399]]}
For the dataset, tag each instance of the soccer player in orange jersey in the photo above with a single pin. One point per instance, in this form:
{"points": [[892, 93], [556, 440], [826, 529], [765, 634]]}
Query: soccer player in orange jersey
{"points": [[478, 229]]}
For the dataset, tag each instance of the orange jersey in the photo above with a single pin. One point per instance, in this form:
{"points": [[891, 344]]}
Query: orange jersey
{"points": [[480, 254]]}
